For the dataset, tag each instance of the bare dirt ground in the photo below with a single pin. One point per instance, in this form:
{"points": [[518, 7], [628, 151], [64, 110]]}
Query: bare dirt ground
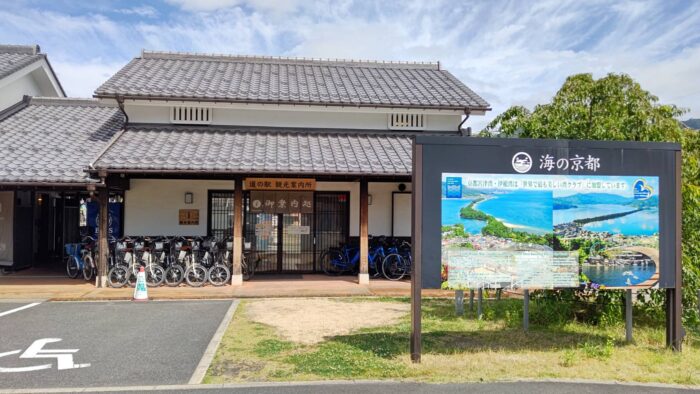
{"points": [[310, 320]]}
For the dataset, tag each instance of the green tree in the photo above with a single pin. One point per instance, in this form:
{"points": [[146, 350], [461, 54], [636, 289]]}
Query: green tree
{"points": [[616, 107]]}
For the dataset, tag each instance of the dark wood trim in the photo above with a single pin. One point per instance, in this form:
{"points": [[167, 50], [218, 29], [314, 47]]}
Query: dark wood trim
{"points": [[102, 237], [237, 249], [364, 232], [674, 305]]}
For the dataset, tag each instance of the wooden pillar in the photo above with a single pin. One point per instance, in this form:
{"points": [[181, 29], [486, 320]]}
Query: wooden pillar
{"points": [[674, 306], [236, 273], [102, 238], [364, 234]]}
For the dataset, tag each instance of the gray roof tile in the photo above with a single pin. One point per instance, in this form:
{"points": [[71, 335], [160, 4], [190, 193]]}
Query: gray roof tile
{"points": [[53, 140], [258, 150], [290, 81], [16, 57]]}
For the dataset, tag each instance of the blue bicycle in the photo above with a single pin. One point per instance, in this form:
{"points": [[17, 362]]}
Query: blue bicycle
{"points": [[79, 259], [346, 259]]}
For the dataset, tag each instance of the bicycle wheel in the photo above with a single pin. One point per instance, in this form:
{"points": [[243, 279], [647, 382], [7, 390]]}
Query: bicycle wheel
{"points": [[118, 276], [394, 267], [155, 275], [133, 274], [219, 275], [196, 275], [88, 268], [174, 275], [72, 267], [332, 263]]}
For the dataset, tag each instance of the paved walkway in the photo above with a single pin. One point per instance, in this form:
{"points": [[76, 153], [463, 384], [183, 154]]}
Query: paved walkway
{"points": [[58, 288]]}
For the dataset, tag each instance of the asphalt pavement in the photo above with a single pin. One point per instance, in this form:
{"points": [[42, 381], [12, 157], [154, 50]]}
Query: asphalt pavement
{"points": [[365, 387], [98, 344]]}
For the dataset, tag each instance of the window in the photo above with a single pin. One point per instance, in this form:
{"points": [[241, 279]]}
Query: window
{"points": [[220, 223]]}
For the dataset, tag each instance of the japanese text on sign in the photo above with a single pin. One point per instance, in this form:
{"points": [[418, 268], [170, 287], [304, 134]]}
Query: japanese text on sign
{"points": [[281, 202], [575, 163], [280, 184]]}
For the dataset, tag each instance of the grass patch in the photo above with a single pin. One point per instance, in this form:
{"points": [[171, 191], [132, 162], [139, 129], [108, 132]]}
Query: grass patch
{"points": [[457, 349]]}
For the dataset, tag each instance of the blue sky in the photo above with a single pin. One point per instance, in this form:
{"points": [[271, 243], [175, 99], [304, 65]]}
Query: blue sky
{"points": [[510, 52]]}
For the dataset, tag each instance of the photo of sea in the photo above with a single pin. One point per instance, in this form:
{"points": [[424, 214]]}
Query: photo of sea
{"points": [[620, 228], [609, 223]]}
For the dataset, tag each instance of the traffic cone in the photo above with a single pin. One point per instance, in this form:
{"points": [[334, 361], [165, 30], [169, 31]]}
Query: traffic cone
{"points": [[141, 291]]}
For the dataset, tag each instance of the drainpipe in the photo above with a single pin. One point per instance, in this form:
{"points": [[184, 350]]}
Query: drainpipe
{"points": [[120, 103], [467, 132]]}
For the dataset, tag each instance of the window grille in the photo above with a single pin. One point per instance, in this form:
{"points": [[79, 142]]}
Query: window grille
{"points": [[191, 115], [407, 121]]}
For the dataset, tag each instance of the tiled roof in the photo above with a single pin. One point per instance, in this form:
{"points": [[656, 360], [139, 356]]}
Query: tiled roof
{"points": [[16, 57], [52, 140], [290, 81], [168, 148]]}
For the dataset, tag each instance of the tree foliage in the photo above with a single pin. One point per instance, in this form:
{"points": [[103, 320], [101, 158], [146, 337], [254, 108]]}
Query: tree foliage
{"points": [[616, 107]]}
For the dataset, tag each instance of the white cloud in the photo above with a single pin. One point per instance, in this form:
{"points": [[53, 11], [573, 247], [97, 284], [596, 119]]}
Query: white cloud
{"points": [[143, 11], [510, 52]]}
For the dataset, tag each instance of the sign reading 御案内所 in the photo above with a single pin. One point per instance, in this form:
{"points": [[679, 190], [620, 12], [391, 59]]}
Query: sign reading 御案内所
{"points": [[531, 214], [276, 202], [289, 184]]}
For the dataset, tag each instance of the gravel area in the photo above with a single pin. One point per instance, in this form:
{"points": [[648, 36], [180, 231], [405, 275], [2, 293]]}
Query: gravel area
{"points": [[311, 320]]}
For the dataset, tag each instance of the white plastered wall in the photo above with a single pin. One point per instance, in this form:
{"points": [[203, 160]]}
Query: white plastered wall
{"points": [[7, 200], [300, 117], [13, 92], [379, 220], [151, 206]]}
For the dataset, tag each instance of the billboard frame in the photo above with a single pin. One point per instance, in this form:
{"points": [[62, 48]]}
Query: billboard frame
{"points": [[433, 154]]}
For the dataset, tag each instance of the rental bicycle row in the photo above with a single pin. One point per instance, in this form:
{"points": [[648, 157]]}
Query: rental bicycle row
{"points": [[387, 257], [166, 261]]}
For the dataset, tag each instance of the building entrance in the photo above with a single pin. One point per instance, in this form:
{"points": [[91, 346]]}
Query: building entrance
{"points": [[293, 242]]}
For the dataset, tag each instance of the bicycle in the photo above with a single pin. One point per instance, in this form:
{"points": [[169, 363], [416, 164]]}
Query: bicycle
{"points": [[195, 273], [74, 260], [89, 267], [397, 265], [219, 273]]}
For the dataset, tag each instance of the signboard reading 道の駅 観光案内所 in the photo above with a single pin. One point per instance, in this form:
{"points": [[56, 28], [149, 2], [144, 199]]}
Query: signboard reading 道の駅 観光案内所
{"points": [[531, 231]]}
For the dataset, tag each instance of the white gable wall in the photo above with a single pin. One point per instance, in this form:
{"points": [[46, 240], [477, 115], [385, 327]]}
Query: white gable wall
{"points": [[294, 116], [33, 80]]}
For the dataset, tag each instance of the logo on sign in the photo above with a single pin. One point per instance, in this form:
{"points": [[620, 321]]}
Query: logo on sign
{"points": [[522, 162], [642, 191], [454, 187]]}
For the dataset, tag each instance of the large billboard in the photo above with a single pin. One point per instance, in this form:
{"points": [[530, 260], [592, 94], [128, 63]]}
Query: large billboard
{"points": [[519, 213], [549, 231]]}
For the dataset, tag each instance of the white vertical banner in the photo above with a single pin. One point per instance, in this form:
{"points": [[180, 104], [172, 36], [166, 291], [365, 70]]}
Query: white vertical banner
{"points": [[6, 227]]}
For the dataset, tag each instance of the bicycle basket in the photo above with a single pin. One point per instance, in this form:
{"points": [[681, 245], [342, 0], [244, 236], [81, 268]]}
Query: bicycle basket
{"points": [[72, 249]]}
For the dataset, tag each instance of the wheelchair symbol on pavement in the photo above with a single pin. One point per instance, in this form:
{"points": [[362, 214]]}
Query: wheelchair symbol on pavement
{"points": [[64, 357]]}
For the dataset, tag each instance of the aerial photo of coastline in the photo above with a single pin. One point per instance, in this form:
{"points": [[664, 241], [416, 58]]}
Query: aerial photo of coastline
{"points": [[539, 230]]}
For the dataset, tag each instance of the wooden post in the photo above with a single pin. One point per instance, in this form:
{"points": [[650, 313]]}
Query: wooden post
{"points": [[628, 315], [526, 309], [674, 306], [237, 250], [102, 238], [479, 301], [363, 277], [459, 302], [471, 300], [417, 250]]}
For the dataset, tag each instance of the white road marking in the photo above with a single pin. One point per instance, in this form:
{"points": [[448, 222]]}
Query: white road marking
{"points": [[208, 355], [19, 309], [64, 357]]}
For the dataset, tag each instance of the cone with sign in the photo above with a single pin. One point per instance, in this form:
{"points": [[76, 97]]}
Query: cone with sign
{"points": [[141, 291]]}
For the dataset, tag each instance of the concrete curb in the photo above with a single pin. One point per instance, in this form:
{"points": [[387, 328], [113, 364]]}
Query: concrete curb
{"points": [[233, 386], [209, 353]]}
